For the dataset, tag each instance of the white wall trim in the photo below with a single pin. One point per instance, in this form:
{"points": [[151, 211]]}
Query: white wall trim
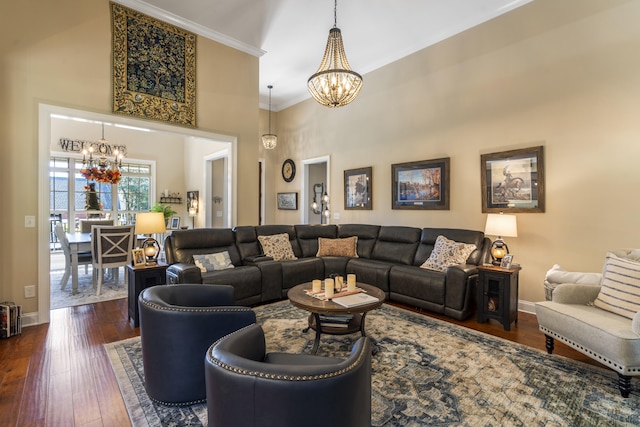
{"points": [[188, 25], [44, 146]]}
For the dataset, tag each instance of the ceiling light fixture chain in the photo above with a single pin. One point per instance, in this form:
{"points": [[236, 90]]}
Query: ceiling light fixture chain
{"points": [[269, 140], [334, 84]]}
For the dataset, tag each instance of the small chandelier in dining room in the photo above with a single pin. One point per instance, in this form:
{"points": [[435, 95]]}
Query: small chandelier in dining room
{"points": [[101, 169], [269, 140], [334, 84]]}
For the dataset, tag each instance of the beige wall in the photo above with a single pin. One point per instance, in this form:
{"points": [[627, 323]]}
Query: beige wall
{"points": [[59, 53], [565, 75]]}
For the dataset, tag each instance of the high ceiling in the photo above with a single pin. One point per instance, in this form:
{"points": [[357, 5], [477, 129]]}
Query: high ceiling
{"points": [[289, 36]]}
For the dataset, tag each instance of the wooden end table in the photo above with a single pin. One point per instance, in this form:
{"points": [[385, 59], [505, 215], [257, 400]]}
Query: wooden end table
{"points": [[316, 307], [141, 278], [498, 294]]}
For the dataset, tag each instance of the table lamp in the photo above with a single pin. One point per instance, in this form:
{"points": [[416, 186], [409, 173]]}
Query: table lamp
{"points": [[150, 223], [500, 225]]}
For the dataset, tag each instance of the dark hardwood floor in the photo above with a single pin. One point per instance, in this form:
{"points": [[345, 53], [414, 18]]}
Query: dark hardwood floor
{"points": [[58, 374]]}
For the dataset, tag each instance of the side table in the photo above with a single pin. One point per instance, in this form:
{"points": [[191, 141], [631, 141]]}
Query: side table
{"points": [[139, 279], [497, 294]]}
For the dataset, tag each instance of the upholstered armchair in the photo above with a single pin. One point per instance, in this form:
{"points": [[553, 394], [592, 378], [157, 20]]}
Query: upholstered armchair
{"points": [[247, 387], [579, 316], [178, 323]]}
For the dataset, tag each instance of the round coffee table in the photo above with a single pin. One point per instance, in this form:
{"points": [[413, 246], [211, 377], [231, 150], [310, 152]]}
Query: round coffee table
{"points": [[316, 307]]}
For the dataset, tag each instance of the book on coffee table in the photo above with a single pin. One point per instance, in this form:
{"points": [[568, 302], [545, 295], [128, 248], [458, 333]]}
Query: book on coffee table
{"points": [[355, 300]]}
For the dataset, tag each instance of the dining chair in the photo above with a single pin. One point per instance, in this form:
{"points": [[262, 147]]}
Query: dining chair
{"points": [[84, 258], [86, 224], [111, 248]]}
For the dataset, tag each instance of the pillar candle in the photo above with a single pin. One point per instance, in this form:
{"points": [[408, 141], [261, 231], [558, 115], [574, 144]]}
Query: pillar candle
{"points": [[351, 282], [328, 288], [317, 286]]}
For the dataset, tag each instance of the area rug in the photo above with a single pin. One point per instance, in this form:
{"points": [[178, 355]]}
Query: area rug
{"points": [[426, 372], [86, 292]]}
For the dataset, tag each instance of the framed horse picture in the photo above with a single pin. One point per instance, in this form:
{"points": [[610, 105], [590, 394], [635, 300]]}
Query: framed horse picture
{"points": [[513, 181]]}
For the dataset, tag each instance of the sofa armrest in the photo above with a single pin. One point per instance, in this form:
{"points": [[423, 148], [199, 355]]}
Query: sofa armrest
{"points": [[183, 273], [457, 283], [254, 259], [573, 293]]}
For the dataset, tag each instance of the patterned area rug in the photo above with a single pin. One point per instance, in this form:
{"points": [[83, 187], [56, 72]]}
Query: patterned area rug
{"points": [[86, 292], [426, 372]]}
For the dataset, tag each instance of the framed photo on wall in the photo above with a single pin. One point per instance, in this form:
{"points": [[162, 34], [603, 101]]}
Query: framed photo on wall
{"points": [[513, 181], [357, 189], [421, 185], [288, 201]]}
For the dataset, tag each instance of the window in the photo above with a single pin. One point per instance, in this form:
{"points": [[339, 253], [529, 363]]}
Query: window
{"points": [[131, 195]]}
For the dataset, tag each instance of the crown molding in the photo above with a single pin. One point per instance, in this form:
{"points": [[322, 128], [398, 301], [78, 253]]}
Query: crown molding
{"points": [[196, 28]]}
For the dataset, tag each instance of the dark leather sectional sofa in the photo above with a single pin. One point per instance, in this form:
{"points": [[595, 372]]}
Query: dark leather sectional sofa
{"points": [[389, 257]]}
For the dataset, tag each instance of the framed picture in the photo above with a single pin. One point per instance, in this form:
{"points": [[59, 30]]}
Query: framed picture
{"points": [[138, 257], [154, 68], [357, 189], [288, 201], [175, 223], [506, 261], [513, 181], [421, 185]]}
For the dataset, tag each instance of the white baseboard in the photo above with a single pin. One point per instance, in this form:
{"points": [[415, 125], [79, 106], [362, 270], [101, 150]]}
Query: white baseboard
{"points": [[30, 319], [527, 306]]}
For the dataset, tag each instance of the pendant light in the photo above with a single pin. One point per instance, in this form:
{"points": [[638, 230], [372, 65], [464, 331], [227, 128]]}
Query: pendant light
{"points": [[269, 140], [334, 84]]}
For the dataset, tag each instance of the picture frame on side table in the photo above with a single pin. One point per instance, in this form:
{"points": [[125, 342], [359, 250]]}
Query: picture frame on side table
{"points": [[358, 189], [506, 261], [288, 201], [138, 257], [513, 181], [421, 185], [174, 224]]}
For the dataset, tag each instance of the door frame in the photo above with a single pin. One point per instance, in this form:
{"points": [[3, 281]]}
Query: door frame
{"points": [[304, 193], [45, 111]]}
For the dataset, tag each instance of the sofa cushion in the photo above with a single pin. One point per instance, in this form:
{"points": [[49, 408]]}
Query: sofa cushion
{"points": [[430, 235], [620, 290], [307, 236], [367, 235], [212, 262], [447, 253], [396, 244], [277, 246], [338, 247]]}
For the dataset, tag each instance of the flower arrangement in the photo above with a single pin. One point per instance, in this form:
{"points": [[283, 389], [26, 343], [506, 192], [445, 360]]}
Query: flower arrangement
{"points": [[107, 176]]}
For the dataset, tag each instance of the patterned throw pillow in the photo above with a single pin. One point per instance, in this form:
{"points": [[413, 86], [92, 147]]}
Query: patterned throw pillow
{"points": [[338, 247], [447, 253], [620, 290], [212, 262], [277, 246]]}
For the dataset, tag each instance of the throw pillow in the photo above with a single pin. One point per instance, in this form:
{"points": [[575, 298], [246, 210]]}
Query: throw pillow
{"points": [[212, 262], [347, 246], [277, 246], [620, 290], [447, 253]]}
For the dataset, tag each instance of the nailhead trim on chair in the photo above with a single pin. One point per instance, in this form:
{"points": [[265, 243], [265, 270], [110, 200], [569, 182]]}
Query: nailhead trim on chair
{"points": [[237, 370], [632, 370], [195, 309], [193, 402]]}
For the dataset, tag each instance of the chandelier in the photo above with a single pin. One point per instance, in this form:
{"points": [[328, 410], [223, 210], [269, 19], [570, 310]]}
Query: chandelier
{"points": [[334, 84], [101, 169], [269, 140]]}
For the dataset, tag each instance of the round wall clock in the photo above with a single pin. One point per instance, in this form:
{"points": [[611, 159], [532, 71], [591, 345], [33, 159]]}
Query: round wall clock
{"points": [[288, 170]]}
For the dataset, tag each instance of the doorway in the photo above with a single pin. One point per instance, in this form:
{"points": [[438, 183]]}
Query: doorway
{"points": [[124, 124], [316, 179]]}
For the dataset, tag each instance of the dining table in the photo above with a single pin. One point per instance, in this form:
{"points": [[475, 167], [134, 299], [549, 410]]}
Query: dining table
{"points": [[81, 242]]}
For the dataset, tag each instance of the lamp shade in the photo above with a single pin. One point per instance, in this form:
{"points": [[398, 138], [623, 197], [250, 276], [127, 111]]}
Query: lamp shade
{"points": [[150, 223], [501, 225]]}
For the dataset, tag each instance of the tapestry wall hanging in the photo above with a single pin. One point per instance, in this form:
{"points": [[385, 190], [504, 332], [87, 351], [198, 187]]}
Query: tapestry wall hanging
{"points": [[154, 68]]}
